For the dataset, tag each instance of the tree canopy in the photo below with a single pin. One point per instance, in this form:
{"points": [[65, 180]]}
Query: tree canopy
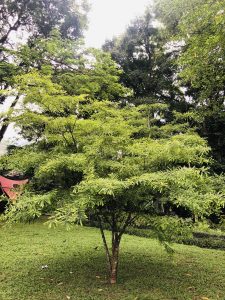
{"points": [[41, 16], [174, 54], [29, 22], [140, 51], [202, 65]]}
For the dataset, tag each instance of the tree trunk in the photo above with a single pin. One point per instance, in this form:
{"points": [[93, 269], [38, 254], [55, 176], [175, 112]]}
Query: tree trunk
{"points": [[113, 255], [5, 120], [15, 26], [114, 262]]}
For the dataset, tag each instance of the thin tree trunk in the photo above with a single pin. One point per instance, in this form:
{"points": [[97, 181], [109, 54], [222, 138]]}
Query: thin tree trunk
{"points": [[113, 255], [114, 261], [5, 125], [13, 27], [105, 244]]}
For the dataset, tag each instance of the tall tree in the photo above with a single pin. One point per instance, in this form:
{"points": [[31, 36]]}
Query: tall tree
{"points": [[170, 12], [40, 17], [202, 64], [36, 19], [141, 53], [197, 28]]}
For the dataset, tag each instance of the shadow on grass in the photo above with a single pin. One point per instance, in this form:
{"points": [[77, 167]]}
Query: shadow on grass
{"points": [[83, 276]]}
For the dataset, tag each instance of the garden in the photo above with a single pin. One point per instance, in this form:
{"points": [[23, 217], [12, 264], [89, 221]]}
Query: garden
{"points": [[115, 188]]}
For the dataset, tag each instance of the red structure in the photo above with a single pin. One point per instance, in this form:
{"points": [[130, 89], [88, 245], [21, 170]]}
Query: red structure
{"points": [[11, 188]]}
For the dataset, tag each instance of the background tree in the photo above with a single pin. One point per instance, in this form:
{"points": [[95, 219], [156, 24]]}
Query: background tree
{"points": [[203, 67], [40, 17], [170, 12], [141, 53], [53, 53], [35, 20], [148, 61], [195, 30]]}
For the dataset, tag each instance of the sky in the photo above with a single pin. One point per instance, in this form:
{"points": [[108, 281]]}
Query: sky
{"points": [[109, 18]]}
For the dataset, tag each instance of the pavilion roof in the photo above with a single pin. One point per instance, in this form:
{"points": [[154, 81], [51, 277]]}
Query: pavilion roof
{"points": [[11, 188]]}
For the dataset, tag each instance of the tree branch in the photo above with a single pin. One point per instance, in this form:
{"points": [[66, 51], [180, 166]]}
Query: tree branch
{"points": [[5, 120], [128, 221], [105, 244], [15, 26]]}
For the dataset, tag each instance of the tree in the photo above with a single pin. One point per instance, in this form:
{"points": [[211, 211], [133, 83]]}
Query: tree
{"points": [[40, 17], [91, 157], [37, 20], [148, 67], [197, 28], [53, 53], [202, 67], [170, 12]]}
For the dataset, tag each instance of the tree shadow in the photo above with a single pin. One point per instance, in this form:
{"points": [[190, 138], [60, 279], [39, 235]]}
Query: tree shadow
{"points": [[83, 275]]}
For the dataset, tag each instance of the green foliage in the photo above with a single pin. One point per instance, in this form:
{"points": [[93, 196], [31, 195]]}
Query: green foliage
{"points": [[40, 17], [7, 71], [31, 160], [148, 69], [203, 58], [170, 12], [207, 242], [202, 66], [50, 26], [100, 80], [56, 51], [167, 229], [30, 208], [195, 36], [119, 166]]}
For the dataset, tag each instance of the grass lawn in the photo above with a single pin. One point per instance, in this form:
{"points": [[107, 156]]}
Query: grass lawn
{"points": [[76, 267]]}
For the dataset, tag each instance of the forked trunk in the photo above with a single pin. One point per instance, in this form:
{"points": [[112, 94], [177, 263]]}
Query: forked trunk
{"points": [[113, 255]]}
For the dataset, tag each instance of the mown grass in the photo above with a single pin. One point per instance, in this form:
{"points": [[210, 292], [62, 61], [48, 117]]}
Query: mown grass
{"points": [[76, 267]]}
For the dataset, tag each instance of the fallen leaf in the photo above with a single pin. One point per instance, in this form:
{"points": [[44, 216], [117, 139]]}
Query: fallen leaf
{"points": [[60, 283], [100, 290], [205, 298], [68, 297], [97, 276]]}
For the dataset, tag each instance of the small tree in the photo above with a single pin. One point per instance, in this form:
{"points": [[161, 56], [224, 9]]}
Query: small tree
{"points": [[95, 158]]}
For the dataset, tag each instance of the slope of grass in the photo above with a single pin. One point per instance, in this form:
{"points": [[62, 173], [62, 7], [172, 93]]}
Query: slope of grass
{"points": [[37, 263]]}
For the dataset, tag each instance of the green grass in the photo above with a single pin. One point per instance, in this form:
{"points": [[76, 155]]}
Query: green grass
{"points": [[76, 267]]}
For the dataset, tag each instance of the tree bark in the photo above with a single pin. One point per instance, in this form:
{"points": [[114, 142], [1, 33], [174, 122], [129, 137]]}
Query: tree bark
{"points": [[113, 253], [114, 261]]}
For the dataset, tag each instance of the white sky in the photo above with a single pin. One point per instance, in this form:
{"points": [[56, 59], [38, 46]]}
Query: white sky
{"points": [[108, 18]]}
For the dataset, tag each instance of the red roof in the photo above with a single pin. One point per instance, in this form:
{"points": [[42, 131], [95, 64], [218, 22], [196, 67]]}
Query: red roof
{"points": [[10, 187]]}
